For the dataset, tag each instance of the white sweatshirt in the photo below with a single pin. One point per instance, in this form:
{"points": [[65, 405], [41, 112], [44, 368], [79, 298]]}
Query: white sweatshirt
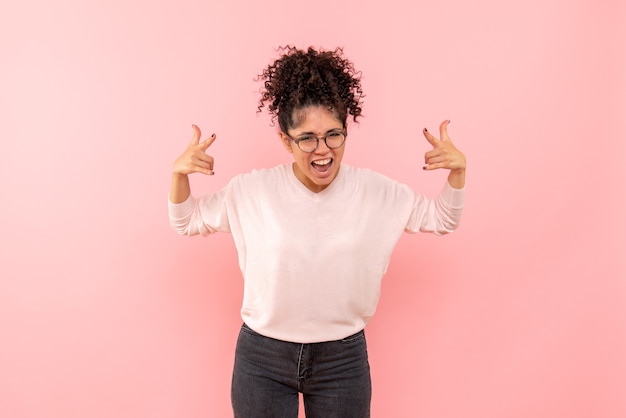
{"points": [[312, 263]]}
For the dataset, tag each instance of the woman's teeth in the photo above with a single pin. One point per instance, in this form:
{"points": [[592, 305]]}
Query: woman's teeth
{"points": [[322, 162]]}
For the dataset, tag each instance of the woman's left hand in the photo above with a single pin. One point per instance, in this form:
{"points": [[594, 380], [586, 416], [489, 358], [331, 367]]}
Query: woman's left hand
{"points": [[444, 154]]}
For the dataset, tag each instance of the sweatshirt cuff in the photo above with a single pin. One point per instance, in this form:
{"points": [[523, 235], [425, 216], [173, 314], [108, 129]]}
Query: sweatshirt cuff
{"points": [[181, 210], [454, 197]]}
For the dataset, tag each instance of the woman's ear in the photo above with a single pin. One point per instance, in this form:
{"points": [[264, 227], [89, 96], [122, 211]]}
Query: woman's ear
{"points": [[287, 143]]}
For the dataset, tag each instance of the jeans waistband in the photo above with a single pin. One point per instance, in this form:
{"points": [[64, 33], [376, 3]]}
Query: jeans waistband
{"points": [[354, 336]]}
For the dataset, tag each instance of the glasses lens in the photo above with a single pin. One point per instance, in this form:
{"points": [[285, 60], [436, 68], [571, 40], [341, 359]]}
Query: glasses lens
{"points": [[308, 144], [335, 139]]}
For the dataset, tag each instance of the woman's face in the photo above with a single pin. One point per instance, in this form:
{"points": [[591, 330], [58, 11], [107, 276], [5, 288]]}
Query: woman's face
{"points": [[317, 169]]}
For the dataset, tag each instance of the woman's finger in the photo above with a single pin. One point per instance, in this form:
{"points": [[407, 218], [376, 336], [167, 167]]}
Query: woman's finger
{"points": [[443, 130], [430, 138], [206, 144], [195, 139]]}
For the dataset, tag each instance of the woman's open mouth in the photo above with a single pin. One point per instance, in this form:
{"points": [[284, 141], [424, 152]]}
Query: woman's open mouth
{"points": [[322, 166]]}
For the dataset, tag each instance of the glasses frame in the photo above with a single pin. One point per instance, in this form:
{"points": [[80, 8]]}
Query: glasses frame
{"points": [[317, 139]]}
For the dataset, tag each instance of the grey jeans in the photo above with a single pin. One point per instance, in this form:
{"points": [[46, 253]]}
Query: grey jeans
{"points": [[334, 377]]}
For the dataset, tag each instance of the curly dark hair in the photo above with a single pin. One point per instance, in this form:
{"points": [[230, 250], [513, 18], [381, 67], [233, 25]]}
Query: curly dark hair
{"points": [[299, 78]]}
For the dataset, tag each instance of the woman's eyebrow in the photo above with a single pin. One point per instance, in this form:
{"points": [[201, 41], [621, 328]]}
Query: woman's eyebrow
{"points": [[313, 133]]}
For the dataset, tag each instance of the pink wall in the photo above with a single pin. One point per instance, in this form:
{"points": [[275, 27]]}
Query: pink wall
{"points": [[105, 312]]}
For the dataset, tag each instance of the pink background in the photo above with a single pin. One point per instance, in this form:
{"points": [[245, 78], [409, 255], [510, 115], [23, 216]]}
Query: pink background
{"points": [[106, 312]]}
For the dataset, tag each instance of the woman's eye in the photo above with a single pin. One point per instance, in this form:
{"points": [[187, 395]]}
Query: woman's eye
{"points": [[305, 139]]}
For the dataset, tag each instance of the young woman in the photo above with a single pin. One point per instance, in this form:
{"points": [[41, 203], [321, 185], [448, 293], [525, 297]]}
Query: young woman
{"points": [[314, 239]]}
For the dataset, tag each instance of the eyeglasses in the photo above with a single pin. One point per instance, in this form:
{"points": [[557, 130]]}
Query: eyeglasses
{"points": [[309, 143]]}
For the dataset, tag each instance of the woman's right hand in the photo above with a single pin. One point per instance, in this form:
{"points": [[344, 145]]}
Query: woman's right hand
{"points": [[195, 159]]}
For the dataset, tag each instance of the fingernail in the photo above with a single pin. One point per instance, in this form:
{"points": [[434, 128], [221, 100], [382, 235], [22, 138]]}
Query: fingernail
{"points": [[425, 130], [424, 167], [212, 135]]}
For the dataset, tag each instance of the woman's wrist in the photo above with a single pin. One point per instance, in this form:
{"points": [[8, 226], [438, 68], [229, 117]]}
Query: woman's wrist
{"points": [[456, 178]]}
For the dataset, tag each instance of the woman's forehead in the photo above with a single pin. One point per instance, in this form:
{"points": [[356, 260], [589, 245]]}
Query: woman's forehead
{"points": [[316, 118]]}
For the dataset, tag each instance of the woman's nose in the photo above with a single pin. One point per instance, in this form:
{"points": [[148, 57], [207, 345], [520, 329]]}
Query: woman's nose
{"points": [[322, 148]]}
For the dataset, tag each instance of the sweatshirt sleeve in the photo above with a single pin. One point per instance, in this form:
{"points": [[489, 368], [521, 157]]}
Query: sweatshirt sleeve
{"points": [[204, 215], [440, 215]]}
